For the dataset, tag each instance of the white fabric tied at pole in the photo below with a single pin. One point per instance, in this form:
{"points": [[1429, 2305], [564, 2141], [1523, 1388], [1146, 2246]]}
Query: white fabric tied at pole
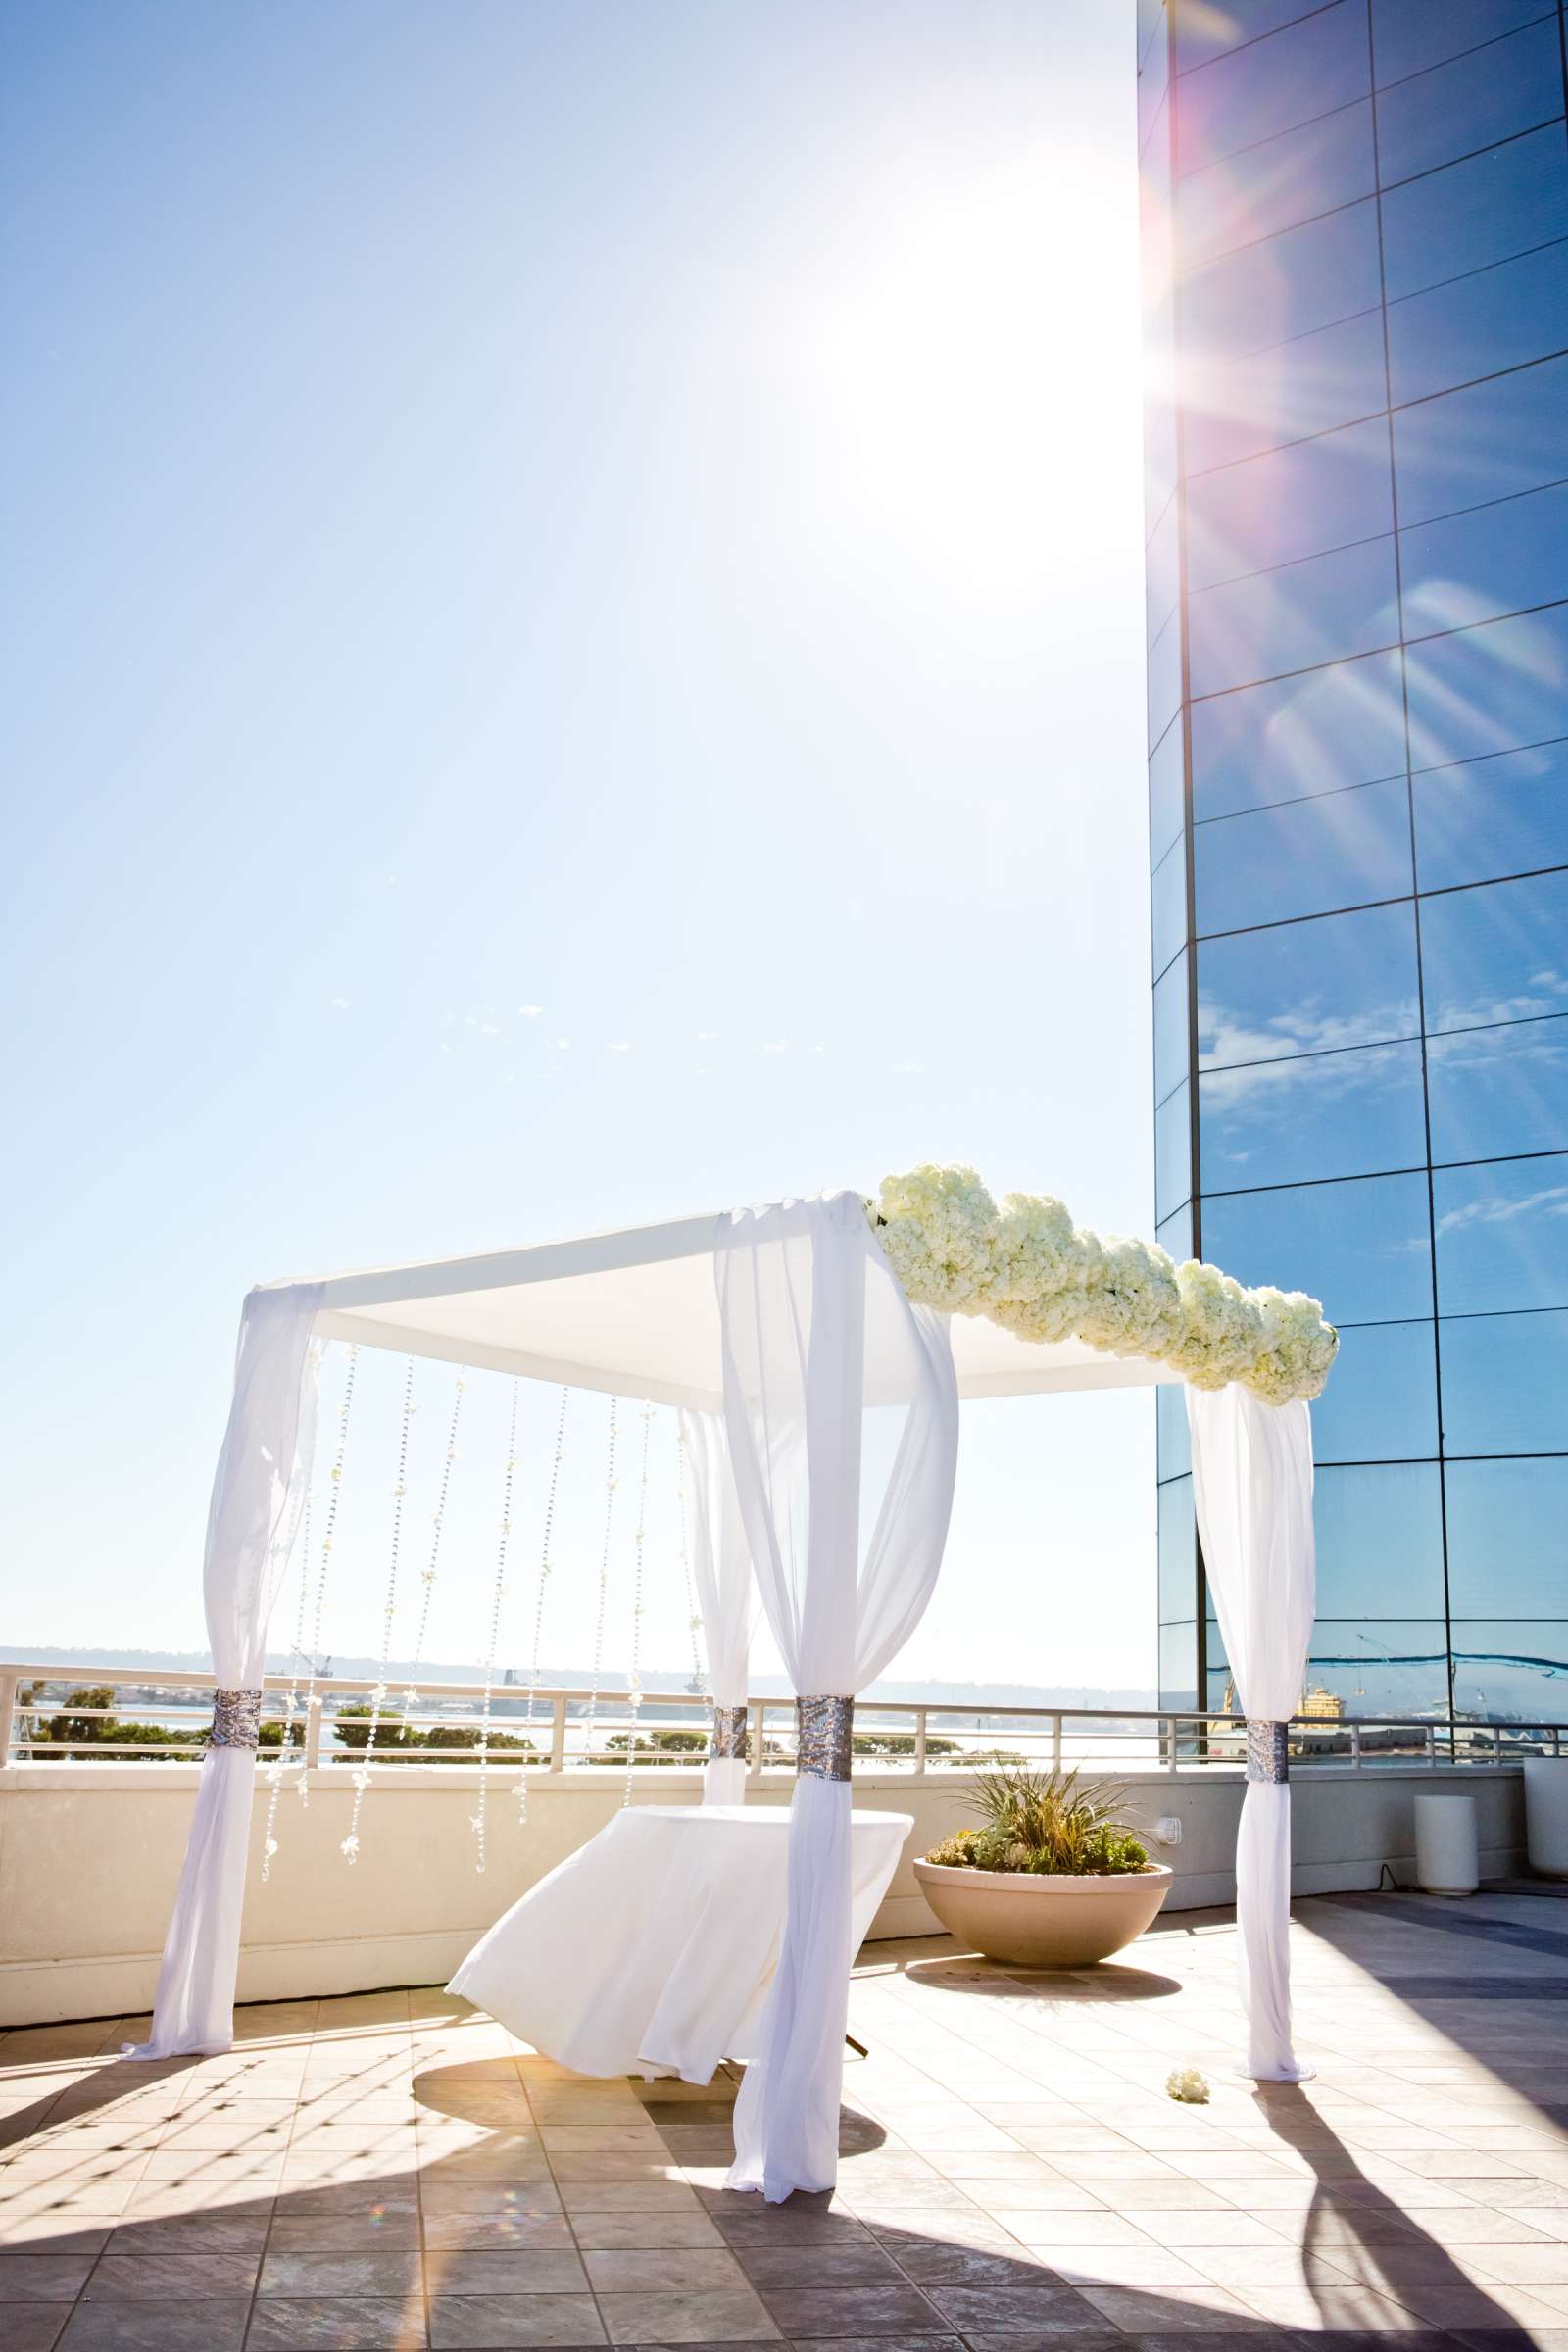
{"points": [[835, 1387], [721, 1570], [263, 1472], [1252, 1486]]}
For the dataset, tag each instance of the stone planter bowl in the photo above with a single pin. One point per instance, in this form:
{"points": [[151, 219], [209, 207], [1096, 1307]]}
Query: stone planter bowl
{"points": [[1043, 1922]]}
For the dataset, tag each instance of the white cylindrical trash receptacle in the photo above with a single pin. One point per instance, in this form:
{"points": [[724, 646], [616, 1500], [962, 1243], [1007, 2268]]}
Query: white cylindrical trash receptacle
{"points": [[1447, 1859], [1547, 1814]]}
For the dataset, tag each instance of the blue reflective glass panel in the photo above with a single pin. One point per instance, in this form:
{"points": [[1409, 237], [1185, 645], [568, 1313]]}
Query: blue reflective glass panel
{"points": [[1175, 1235], [1507, 1539], [1304, 614], [1286, 78], [1492, 818], [1505, 1383], [1381, 1401], [1378, 1540], [1174, 1447], [1493, 1091], [1454, 109], [1173, 1153], [1499, 952], [1165, 793], [1294, 737], [1363, 1248], [1408, 35], [1474, 213], [1308, 988], [1286, 285], [1169, 900], [1489, 688], [1171, 1057], [1489, 441], [1164, 679], [1510, 1668], [1178, 1665], [1318, 1115], [1178, 1555], [1343, 848], [1294, 502], [1503, 1236], [1154, 77], [1272, 186], [1163, 571], [1159, 448], [1486, 563], [1477, 326], [1237, 408], [1380, 1667], [1205, 32]]}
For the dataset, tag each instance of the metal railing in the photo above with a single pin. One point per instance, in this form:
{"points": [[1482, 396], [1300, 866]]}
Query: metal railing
{"points": [[575, 1729]]}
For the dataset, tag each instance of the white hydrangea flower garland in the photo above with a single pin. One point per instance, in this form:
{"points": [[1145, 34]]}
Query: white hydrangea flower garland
{"points": [[1027, 1266]]}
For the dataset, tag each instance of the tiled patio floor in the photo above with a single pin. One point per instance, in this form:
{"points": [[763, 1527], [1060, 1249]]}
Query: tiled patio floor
{"points": [[391, 2172]]}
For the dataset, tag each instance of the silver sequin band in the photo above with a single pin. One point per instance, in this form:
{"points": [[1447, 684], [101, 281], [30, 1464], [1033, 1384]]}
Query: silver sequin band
{"points": [[236, 1719], [729, 1735], [823, 1727], [1269, 1749]]}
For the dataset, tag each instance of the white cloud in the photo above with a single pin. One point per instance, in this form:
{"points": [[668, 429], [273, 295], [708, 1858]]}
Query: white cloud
{"points": [[341, 1003], [530, 1013], [617, 1045]]}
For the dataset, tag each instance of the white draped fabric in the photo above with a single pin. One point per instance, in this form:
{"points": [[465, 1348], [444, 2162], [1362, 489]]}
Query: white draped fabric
{"points": [[1252, 1484], [722, 1569], [263, 1472], [840, 1403]]}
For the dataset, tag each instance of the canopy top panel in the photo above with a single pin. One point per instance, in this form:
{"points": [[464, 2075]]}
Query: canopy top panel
{"points": [[636, 1315]]}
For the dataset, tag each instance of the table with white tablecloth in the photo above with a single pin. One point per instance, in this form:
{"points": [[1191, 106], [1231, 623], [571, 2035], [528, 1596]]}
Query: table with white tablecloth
{"points": [[649, 1950]]}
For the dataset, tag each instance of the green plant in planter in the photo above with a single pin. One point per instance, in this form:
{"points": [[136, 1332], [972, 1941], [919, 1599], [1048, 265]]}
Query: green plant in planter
{"points": [[1045, 1824]]}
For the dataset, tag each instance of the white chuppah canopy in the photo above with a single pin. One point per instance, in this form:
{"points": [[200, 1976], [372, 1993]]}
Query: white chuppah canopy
{"points": [[786, 1337]]}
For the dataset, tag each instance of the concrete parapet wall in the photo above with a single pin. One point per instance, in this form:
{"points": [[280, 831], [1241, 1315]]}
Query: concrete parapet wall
{"points": [[90, 1856]]}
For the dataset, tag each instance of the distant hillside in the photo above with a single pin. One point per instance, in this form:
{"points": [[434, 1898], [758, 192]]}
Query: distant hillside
{"points": [[982, 1698]]}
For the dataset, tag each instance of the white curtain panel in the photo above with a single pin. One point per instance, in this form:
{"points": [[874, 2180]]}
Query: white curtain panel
{"points": [[841, 1410], [263, 1472], [1252, 1484], [721, 1570]]}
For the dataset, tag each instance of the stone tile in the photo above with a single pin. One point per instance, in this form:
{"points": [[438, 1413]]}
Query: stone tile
{"points": [[66, 2232], [42, 2277], [495, 2323], [631, 2196], [1098, 2227], [346, 2233], [187, 2277], [158, 2328], [329, 2324], [504, 2270], [975, 2266], [1124, 2265], [500, 2233], [861, 2263], [1151, 2311], [378, 2270], [783, 2224], [1012, 2310], [31, 2326], [606, 2231], [1234, 2229], [703, 2316], [807, 2311], [676, 2270]]}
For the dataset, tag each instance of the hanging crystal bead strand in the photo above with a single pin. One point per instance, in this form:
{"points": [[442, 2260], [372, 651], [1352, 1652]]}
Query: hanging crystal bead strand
{"points": [[520, 1789], [700, 1673], [275, 1772], [328, 1537], [634, 1680], [350, 1846], [604, 1587], [477, 1821], [428, 1574]]}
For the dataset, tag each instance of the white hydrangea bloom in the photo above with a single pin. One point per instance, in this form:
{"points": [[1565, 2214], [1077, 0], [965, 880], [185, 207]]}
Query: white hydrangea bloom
{"points": [[1030, 1268]]}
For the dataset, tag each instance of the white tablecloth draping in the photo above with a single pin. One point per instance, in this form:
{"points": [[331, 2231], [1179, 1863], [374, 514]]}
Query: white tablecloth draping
{"points": [[649, 1950]]}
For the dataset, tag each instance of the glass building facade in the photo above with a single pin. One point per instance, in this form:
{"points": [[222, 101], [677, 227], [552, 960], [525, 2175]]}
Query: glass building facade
{"points": [[1356, 285]]}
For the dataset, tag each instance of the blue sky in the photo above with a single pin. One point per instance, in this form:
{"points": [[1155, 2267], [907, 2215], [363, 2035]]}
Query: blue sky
{"points": [[572, 655]]}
